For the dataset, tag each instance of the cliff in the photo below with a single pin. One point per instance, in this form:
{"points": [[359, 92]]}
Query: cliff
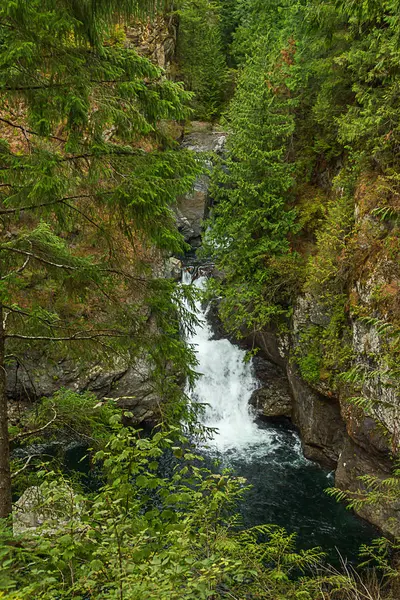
{"points": [[340, 348]]}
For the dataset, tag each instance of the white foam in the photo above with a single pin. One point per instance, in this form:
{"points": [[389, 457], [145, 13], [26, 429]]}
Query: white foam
{"points": [[226, 384]]}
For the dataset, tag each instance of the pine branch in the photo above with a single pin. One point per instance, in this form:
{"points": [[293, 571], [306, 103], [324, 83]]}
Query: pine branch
{"points": [[70, 338], [25, 130], [67, 84], [109, 152], [141, 280], [19, 311], [39, 258], [84, 215], [25, 434], [11, 211]]}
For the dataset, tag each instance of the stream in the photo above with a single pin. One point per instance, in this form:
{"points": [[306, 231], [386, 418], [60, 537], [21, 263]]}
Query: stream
{"points": [[287, 489]]}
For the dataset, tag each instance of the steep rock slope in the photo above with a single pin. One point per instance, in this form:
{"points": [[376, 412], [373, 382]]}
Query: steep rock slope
{"points": [[340, 351]]}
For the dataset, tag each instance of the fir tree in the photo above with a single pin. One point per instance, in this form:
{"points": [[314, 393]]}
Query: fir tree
{"points": [[252, 220], [201, 58], [88, 175]]}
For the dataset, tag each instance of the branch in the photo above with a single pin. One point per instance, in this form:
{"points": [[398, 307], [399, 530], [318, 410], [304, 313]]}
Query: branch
{"points": [[25, 465], [113, 152], [24, 313], [17, 270], [71, 338], [67, 84], [10, 211], [21, 436], [25, 130], [142, 280], [84, 215], [39, 258]]}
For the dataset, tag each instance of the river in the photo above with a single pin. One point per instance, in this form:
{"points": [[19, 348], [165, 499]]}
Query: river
{"points": [[287, 489]]}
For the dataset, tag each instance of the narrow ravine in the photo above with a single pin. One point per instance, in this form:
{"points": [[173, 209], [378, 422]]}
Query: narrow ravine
{"points": [[288, 489]]}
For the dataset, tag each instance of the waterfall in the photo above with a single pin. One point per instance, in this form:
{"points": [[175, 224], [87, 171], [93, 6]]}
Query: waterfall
{"points": [[287, 489], [225, 386]]}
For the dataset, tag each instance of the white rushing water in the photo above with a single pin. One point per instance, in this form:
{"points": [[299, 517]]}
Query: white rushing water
{"points": [[225, 386]]}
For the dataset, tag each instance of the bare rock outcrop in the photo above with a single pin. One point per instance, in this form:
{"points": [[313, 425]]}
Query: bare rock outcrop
{"points": [[193, 207]]}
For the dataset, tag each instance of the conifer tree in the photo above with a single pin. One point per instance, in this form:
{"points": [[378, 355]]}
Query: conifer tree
{"points": [[251, 220], [88, 175], [201, 57]]}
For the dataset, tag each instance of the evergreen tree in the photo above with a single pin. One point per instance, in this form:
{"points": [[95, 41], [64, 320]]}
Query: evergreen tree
{"points": [[88, 175], [201, 58], [251, 220]]}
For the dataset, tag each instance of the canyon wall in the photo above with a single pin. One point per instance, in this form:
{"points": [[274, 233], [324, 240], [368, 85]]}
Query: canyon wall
{"points": [[345, 400]]}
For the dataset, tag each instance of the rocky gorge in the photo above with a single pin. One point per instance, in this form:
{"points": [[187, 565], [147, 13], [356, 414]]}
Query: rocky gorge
{"points": [[333, 432]]}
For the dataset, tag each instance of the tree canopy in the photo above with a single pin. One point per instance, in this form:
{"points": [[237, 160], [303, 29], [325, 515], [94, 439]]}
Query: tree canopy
{"points": [[88, 178]]}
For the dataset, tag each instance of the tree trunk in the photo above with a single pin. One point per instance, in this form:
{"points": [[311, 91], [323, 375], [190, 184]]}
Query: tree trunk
{"points": [[5, 475]]}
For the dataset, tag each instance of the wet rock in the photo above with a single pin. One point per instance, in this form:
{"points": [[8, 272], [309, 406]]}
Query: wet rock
{"points": [[273, 399], [192, 208], [214, 321], [184, 226], [173, 269], [318, 418], [203, 137], [273, 346]]}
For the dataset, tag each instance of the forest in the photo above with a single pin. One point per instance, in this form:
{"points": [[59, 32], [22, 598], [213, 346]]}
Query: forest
{"points": [[305, 205]]}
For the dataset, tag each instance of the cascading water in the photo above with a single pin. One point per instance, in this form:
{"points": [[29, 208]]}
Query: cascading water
{"points": [[225, 386], [287, 488]]}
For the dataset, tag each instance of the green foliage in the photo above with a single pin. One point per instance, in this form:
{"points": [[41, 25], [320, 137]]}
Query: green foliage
{"points": [[252, 220], [146, 536], [89, 178], [201, 60], [374, 491], [326, 273], [309, 354], [81, 414]]}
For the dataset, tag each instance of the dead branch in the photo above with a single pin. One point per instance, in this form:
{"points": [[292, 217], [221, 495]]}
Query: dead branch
{"points": [[25, 465]]}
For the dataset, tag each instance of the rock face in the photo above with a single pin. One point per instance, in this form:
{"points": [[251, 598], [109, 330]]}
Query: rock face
{"points": [[273, 399], [319, 421], [132, 384], [192, 208], [155, 39], [333, 431]]}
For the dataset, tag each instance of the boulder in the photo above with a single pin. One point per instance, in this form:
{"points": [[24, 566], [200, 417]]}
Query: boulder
{"points": [[53, 506]]}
